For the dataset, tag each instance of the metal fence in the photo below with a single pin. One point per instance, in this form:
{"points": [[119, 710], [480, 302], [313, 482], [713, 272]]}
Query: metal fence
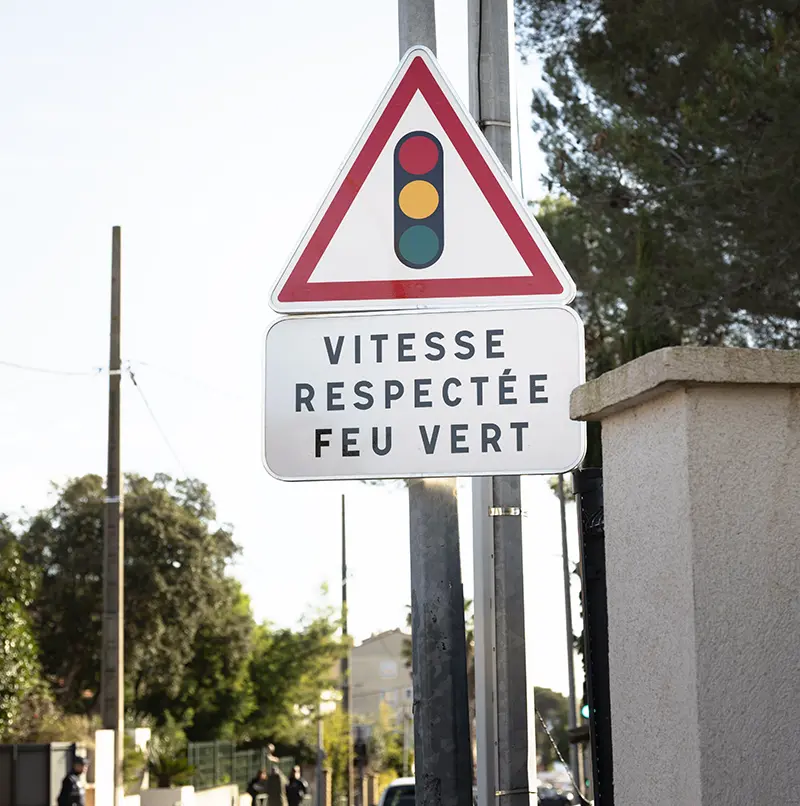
{"points": [[217, 763]]}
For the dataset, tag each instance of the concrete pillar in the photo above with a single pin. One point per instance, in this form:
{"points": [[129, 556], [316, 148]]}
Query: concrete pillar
{"points": [[701, 464], [327, 780], [372, 790]]}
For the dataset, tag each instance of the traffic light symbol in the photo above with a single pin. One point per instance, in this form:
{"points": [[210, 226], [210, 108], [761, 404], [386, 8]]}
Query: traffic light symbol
{"points": [[418, 200]]}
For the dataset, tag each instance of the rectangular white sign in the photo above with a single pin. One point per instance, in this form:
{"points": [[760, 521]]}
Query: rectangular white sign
{"points": [[445, 393]]}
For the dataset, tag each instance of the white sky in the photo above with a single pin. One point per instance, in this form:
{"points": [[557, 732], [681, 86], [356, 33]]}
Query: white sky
{"points": [[209, 131]]}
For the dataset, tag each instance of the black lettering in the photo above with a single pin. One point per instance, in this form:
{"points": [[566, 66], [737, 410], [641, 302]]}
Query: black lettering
{"points": [[450, 401], [404, 347], [462, 340], [519, 428], [490, 434], [334, 354], [479, 381], [429, 341], [387, 442], [361, 390], [420, 393], [357, 349], [429, 443], [348, 441], [507, 381], [334, 395], [493, 343], [319, 433], [379, 339], [536, 388], [457, 438], [394, 391], [303, 394]]}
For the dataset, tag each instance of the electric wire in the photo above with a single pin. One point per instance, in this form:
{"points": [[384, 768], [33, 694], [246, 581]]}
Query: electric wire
{"points": [[51, 371], [157, 424]]}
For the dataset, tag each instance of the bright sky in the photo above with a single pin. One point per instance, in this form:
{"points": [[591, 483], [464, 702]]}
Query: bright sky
{"points": [[209, 132]]}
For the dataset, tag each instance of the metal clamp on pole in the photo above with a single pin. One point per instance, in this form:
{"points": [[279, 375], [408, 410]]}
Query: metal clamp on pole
{"points": [[496, 512]]}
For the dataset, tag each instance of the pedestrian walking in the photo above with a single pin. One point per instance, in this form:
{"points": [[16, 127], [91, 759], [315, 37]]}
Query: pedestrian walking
{"points": [[258, 786], [276, 788], [296, 788], [73, 790]]}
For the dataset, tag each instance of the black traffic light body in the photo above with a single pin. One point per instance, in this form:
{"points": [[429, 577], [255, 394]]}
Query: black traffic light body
{"points": [[418, 200]]}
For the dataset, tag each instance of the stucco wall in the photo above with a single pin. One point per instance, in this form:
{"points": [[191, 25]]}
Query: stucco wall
{"points": [[650, 604], [701, 452]]}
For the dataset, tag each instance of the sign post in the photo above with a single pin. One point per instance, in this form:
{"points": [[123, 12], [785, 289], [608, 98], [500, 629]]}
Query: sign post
{"points": [[435, 341]]}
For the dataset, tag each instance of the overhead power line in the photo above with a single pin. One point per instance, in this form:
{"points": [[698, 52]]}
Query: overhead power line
{"points": [[157, 424], [50, 371]]}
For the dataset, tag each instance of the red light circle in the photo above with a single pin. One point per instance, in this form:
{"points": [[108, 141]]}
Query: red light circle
{"points": [[418, 155]]}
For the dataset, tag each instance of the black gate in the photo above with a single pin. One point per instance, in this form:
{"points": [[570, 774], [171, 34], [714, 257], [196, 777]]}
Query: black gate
{"points": [[31, 774]]}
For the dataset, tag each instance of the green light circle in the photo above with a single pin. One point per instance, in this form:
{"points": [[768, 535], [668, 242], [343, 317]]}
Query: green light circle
{"points": [[418, 245]]}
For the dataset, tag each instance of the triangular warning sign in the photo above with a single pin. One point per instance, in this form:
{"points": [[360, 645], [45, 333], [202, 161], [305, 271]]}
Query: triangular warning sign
{"points": [[422, 215]]}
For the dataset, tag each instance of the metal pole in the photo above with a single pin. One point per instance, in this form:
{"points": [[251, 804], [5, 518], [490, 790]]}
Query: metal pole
{"points": [[112, 679], [572, 716], [485, 648], [588, 484], [319, 782], [417, 24], [443, 758], [405, 741], [346, 662], [498, 528]]}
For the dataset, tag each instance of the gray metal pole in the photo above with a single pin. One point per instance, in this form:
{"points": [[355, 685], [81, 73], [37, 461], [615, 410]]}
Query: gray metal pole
{"points": [[346, 687], [319, 780], [112, 672], [442, 753], [485, 648], [443, 759], [490, 26], [417, 24], [405, 741], [572, 716]]}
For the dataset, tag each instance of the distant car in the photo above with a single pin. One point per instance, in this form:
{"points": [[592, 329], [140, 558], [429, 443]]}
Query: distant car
{"points": [[398, 793], [401, 793], [550, 796]]}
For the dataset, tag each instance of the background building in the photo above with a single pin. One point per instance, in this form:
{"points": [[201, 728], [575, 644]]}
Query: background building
{"points": [[379, 675]]}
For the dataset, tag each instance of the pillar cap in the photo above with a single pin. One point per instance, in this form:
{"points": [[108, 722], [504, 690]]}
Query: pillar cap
{"points": [[672, 367]]}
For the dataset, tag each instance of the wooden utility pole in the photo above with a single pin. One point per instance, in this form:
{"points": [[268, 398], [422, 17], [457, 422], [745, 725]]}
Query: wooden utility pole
{"points": [[112, 685]]}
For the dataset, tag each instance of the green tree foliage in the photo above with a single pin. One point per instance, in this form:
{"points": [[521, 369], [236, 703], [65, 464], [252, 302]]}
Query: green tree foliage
{"points": [[669, 128], [175, 585], [19, 661], [168, 761], [554, 710], [386, 744], [336, 740], [289, 670], [216, 693], [195, 659]]}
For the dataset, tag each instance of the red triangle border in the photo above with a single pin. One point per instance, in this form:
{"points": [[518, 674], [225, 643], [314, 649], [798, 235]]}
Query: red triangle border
{"points": [[542, 280]]}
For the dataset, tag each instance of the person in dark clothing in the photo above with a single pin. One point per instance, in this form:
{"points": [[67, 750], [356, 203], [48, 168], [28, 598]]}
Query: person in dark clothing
{"points": [[276, 788], [258, 786], [296, 788], [73, 791]]}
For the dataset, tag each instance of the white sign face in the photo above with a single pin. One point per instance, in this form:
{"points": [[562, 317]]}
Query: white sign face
{"points": [[421, 215], [446, 393]]}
